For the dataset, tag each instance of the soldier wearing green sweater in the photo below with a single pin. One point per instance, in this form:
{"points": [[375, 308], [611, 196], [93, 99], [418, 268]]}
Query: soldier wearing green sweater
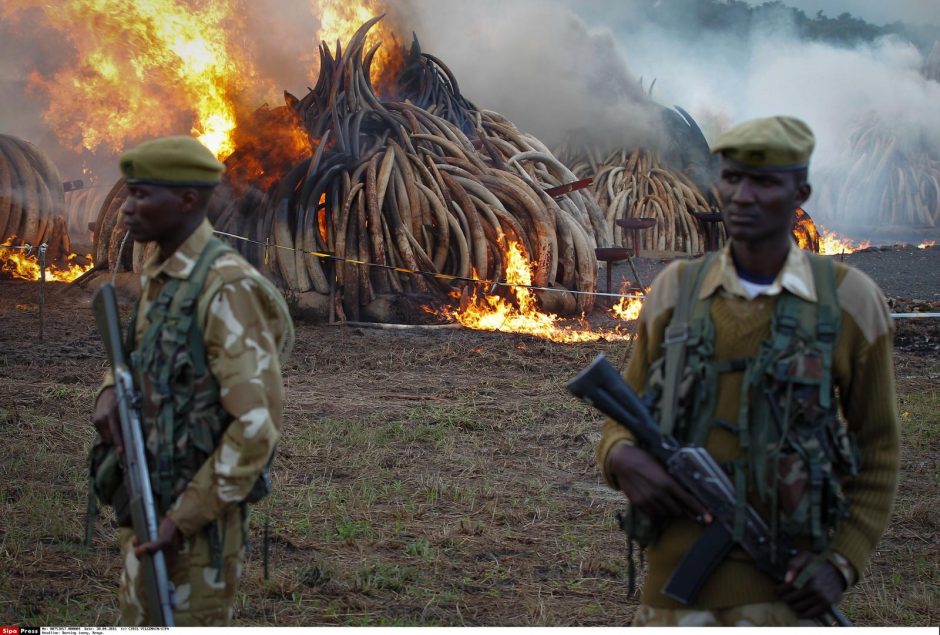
{"points": [[786, 379]]}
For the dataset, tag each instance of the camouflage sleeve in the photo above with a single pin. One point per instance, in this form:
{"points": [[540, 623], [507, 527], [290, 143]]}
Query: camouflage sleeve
{"points": [[243, 330]]}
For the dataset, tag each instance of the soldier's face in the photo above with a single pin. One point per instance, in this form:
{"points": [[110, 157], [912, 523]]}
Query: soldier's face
{"points": [[153, 212], [757, 206]]}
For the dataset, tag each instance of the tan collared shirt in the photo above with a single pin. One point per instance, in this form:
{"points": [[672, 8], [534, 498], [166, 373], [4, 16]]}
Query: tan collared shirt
{"points": [[796, 276]]}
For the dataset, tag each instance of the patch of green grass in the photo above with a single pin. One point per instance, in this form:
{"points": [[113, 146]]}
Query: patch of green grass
{"points": [[368, 620], [348, 529], [920, 426], [419, 548], [384, 576], [60, 392]]}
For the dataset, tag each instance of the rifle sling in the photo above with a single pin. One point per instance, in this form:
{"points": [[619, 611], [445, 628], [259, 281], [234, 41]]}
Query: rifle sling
{"points": [[677, 337], [699, 563]]}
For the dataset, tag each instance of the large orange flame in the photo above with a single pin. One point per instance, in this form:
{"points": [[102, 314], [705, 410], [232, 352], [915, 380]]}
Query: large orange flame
{"points": [[143, 69], [522, 314]]}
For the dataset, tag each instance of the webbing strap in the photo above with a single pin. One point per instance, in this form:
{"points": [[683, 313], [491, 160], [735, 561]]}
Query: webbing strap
{"points": [[828, 318], [197, 280], [740, 499], [172, 316], [815, 497], [676, 339]]}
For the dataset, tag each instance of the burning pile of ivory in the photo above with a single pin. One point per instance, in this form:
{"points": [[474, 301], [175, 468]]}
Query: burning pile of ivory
{"points": [[887, 184], [32, 201], [637, 184], [395, 185]]}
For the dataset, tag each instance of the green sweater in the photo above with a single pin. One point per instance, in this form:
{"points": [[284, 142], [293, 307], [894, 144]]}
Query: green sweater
{"points": [[862, 371]]}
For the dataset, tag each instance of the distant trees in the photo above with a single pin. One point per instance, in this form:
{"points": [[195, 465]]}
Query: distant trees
{"points": [[736, 17]]}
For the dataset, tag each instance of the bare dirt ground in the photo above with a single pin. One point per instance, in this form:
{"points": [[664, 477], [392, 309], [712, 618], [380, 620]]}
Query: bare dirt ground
{"points": [[424, 477]]}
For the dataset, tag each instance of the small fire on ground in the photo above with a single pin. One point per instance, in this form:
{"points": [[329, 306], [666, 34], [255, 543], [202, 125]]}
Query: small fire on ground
{"points": [[833, 243], [628, 307], [813, 237], [520, 312], [16, 264]]}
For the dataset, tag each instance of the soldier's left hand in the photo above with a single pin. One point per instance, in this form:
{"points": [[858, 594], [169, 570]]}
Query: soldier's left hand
{"points": [[821, 591], [169, 539]]}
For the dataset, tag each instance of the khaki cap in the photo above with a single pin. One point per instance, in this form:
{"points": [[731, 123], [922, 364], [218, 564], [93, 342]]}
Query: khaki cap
{"points": [[772, 143], [172, 161]]}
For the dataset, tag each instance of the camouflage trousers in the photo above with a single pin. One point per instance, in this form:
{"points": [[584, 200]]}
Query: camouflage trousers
{"points": [[204, 595], [763, 614]]}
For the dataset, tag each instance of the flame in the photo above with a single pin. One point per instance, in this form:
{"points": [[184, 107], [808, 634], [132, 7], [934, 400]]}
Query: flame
{"points": [[628, 307], [339, 21], [269, 142], [927, 244], [804, 231], [322, 223], [143, 69], [834, 244], [17, 264], [495, 313]]}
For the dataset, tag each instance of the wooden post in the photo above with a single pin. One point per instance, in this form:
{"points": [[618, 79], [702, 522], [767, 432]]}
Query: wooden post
{"points": [[42, 287]]}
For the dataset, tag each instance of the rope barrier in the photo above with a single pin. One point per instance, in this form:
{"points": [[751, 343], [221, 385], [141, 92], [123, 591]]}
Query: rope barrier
{"points": [[26, 247], [490, 283], [441, 276]]}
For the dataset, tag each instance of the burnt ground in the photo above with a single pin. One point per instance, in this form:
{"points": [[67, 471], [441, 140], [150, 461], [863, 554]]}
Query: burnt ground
{"points": [[437, 476]]}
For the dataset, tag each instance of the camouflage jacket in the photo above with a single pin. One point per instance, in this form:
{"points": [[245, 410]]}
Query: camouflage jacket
{"points": [[247, 337]]}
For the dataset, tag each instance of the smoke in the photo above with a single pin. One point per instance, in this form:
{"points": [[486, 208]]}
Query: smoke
{"points": [[724, 78], [28, 46], [537, 63]]}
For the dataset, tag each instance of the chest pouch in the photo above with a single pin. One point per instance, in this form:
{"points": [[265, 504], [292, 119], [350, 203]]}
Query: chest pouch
{"points": [[181, 413]]}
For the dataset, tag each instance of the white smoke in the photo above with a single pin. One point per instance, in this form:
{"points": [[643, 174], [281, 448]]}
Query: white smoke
{"points": [[537, 63], [722, 79]]}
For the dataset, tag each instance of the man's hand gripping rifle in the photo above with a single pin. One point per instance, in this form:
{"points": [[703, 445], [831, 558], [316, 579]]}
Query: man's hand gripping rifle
{"points": [[695, 470], [136, 474]]}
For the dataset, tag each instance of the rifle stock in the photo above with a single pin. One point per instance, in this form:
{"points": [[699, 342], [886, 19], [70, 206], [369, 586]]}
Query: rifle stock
{"points": [[694, 469], [136, 473]]}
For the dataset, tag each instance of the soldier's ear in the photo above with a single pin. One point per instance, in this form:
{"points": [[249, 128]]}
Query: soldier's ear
{"points": [[803, 191], [189, 199]]}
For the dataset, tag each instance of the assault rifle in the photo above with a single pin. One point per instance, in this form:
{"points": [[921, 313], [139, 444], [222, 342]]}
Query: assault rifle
{"points": [[136, 474], [694, 469]]}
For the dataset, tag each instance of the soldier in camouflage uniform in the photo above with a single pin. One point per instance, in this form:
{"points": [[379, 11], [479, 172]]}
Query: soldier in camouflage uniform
{"points": [[211, 388], [774, 343]]}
